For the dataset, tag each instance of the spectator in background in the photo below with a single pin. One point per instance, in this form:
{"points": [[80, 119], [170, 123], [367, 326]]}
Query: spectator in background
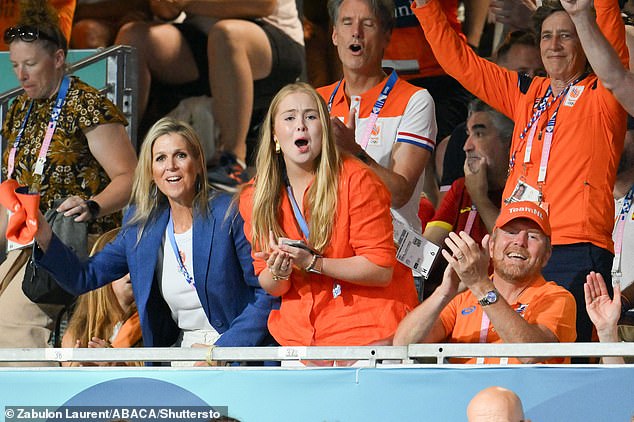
{"points": [[495, 404], [106, 317], [473, 202], [566, 149], [89, 164], [97, 22], [518, 53], [184, 248], [410, 54], [381, 119], [515, 305], [240, 52], [342, 286], [10, 14]]}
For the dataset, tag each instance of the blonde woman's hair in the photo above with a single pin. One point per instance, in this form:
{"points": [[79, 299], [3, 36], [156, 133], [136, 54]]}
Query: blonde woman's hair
{"points": [[98, 311], [146, 198], [270, 181]]}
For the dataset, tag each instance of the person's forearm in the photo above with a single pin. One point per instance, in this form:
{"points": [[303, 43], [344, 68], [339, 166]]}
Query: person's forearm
{"points": [[357, 270], [610, 336], [273, 287], [487, 211], [400, 189], [116, 195], [512, 328], [476, 12], [418, 324], [604, 60]]}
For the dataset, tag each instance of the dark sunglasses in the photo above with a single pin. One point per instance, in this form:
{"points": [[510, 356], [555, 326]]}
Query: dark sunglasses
{"points": [[27, 34]]}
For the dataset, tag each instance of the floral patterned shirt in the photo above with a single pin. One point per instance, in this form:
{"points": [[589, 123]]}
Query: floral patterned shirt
{"points": [[70, 168]]}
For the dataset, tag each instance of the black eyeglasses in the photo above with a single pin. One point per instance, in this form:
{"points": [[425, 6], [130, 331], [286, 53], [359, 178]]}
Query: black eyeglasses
{"points": [[27, 34]]}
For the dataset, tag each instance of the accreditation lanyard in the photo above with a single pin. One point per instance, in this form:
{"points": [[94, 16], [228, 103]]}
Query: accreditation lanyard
{"points": [[181, 267], [619, 230], [378, 105], [544, 105], [303, 225], [470, 219], [46, 143], [484, 332]]}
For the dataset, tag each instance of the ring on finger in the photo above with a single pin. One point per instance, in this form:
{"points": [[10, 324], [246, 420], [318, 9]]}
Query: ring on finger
{"points": [[459, 257]]}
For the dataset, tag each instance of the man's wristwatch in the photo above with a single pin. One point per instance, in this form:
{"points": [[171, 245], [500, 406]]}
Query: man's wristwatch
{"points": [[490, 298]]}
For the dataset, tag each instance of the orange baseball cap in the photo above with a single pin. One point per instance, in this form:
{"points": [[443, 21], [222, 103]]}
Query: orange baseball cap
{"points": [[524, 209]]}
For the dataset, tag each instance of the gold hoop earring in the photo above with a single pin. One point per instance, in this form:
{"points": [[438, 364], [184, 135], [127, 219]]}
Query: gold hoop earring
{"points": [[278, 148]]}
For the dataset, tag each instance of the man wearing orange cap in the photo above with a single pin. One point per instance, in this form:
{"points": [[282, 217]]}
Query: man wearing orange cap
{"points": [[515, 305]]}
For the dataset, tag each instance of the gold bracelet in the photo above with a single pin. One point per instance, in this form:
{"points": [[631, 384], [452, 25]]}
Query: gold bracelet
{"points": [[312, 263], [279, 277], [210, 355]]}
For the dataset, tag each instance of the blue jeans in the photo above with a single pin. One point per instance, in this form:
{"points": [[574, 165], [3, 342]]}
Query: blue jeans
{"points": [[568, 267]]}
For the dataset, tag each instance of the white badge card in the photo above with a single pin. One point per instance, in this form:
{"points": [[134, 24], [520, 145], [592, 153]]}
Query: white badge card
{"points": [[414, 250], [523, 192]]}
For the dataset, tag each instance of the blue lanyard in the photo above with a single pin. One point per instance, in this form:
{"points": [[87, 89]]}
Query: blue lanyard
{"points": [[378, 105], [544, 105], [52, 124], [181, 267], [303, 225], [376, 109], [627, 203]]}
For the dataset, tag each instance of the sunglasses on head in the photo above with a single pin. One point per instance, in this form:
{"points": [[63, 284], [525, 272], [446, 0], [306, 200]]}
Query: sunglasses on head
{"points": [[26, 33]]}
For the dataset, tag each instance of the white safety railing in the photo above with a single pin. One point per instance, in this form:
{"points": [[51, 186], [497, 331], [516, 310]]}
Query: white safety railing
{"points": [[371, 354]]}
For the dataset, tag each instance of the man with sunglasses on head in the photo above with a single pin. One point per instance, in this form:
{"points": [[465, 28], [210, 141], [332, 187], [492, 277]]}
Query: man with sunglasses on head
{"points": [[65, 142]]}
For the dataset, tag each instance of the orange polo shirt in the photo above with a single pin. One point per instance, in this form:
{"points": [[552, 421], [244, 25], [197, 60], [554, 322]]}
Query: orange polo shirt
{"points": [[588, 134], [10, 13], [544, 303], [310, 314]]}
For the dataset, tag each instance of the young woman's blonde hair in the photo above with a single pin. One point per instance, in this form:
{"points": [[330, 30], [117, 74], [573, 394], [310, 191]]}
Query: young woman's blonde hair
{"points": [[320, 211], [98, 311], [146, 198]]}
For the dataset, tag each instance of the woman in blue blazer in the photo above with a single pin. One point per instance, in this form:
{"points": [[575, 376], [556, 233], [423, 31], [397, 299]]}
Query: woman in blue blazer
{"points": [[184, 247]]}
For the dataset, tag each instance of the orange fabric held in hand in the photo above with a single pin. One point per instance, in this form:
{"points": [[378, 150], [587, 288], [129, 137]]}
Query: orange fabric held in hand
{"points": [[22, 224]]}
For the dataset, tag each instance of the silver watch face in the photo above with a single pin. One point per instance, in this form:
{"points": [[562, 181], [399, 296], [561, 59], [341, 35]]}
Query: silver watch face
{"points": [[492, 297]]}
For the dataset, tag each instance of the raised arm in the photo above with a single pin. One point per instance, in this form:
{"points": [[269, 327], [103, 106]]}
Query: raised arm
{"points": [[603, 311], [603, 58], [495, 85]]}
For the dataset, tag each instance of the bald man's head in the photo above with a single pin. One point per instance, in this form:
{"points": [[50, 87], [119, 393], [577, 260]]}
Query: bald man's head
{"points": [[495, 404]]}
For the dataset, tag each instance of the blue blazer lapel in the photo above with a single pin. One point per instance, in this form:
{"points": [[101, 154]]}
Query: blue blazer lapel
{"points": [[147, 252], [204, 226]]}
